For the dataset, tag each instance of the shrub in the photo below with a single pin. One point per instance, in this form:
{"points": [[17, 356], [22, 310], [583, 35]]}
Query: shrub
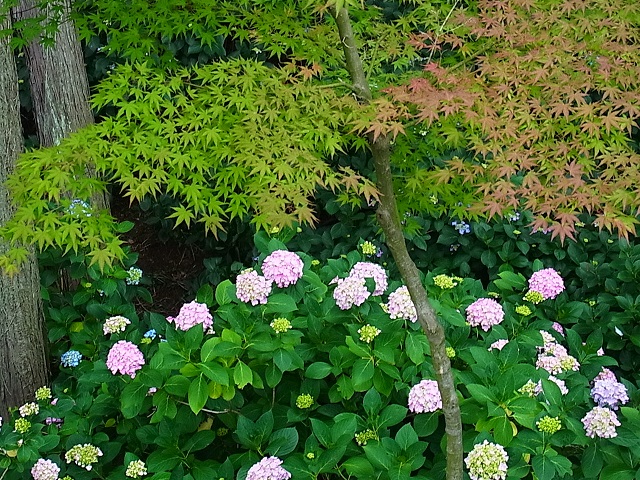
{"points": [[326, 390]]}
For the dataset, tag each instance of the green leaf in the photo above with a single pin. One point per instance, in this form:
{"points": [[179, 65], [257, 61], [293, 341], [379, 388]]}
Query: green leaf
{"points": [[362, 375], [205, 295], [132, 398], [280, 303], [242, 374], [198, 441], [177, 385], [318, 370], [392, 415], [592, 461], [282, 442], [163, 460], [481, 393], [414, 344], [406, 436], [372, 402], [198, 393], [225, 292], [124, 227]]}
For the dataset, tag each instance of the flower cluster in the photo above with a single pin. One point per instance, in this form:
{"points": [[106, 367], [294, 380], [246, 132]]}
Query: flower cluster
{"points": [[558, 328], [461, 227], [136, 469], [607, 391], [425, 397], [283, 267], [487, 461], [268, 469], [485, 313], [546, 282], [304, 401], [554, 358], [349, 292], [192, 314], [115, 324], [281, 325], [83, 455], [22, 425], [29, 409], [549, 424], [134, 275], [368, 248], [560, 383], [252, 288], [446, 282], [371, 270], [71, 358], [149, 336], [523, 310], [400, 305], [450, 351], [601, 422], [43, 393], [533, 297], [45, 470], [368, 333], [363, 437], [125, 357], [498, 344]]}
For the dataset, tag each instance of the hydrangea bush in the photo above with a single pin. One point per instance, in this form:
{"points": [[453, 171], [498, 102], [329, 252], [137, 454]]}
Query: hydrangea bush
{"points": [[311, 384]]}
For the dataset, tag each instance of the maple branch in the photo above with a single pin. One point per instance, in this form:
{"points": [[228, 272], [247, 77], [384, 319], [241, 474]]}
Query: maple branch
{"points": [[455, 4], [389, 220]]}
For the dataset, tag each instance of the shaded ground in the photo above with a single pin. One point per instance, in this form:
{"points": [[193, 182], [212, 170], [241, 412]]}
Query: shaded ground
{"points": [[169, 264]]}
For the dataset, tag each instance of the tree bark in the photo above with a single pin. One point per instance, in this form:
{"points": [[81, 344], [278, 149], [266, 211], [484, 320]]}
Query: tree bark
{"points": [[23, 342], [58, 82], [389, 220]]}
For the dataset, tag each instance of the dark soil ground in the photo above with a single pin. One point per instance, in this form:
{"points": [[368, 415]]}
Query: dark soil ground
{"points": [[170, 265]]}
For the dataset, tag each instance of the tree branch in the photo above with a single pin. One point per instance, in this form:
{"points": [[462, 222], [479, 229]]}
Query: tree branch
{"points": [[389, 220]]}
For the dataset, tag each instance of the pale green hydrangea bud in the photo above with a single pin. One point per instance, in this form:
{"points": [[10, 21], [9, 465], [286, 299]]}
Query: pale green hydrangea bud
{"points": [[523, 310], [445, 282], [528, 389], [43, 393], [368, 248], [533, 297], [450, 351], [22, 425], [363, 437], [549, 424], [136, 469], [368, 333], [281, 325], [304, 401]]}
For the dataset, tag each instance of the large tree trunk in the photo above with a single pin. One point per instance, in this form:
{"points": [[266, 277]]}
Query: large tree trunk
{"points": [[389, 220], [58, 81], [23, 359]]}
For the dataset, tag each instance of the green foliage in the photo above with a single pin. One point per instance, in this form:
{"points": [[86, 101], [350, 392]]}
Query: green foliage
{"points": [[221, 401]]}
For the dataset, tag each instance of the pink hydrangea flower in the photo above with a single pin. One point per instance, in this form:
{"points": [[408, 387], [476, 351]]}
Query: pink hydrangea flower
{"points": [[400, 305], [283, 267], [371, 270], [350, 291], [546, 282], [554, 358], [425, 397], [125, 357], [558, 328], [252, 288], [269, 468], [192, 314], [601, 422], [45, 470], [485, 313]]}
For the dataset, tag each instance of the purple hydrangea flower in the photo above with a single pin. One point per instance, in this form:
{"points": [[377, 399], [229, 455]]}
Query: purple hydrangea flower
{"points": [[192, 314], [485, 313], [252, 288], [268, 469], [546, 282], [608, 392], [126, 358], [601, 422], [425, 397], [350, 291], [283, 267]]}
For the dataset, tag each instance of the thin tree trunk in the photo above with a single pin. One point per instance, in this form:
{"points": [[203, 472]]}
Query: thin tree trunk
{"points": [[389, 220], [58, 81], [23, 359]]}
